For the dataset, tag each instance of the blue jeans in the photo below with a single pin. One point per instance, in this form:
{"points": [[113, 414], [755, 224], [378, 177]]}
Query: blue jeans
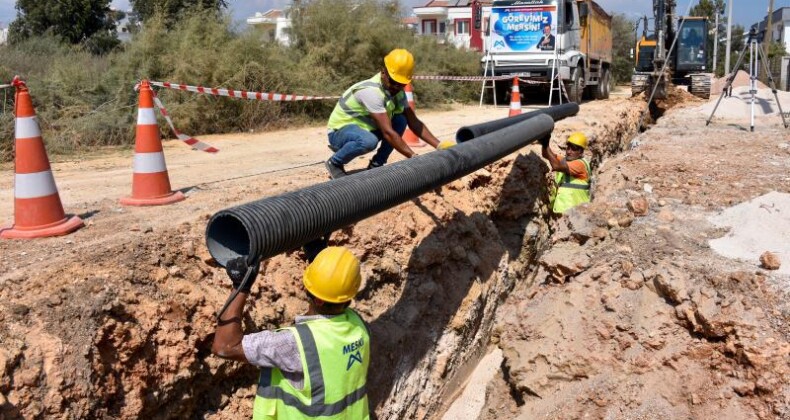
{"points": [[352, 140]]}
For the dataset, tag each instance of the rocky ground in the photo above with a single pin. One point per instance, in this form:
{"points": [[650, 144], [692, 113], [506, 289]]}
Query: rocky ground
{"points": [[620, 310], [631, 314]]}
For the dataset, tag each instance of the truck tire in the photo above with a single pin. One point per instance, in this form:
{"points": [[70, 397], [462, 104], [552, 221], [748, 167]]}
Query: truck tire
{"points": [[575, 86], [602, 88]]}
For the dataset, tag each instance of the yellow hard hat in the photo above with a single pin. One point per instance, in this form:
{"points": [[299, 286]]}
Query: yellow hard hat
{"points": [[334, 275], [578, 138], [400, 65]]}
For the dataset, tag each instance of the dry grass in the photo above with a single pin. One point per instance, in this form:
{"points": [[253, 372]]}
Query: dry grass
{"points": [[86, 101]]}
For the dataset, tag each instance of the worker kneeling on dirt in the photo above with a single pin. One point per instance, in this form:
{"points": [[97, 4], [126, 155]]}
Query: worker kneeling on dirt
{"points": [[317, 368], [573, 173], [374, 110]]}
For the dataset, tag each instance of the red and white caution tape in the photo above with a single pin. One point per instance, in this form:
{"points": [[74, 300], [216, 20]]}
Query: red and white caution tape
{"points": [[17, 82], [479, 79], [532, 82], [463, 78], [189, 140], [241, 94]]}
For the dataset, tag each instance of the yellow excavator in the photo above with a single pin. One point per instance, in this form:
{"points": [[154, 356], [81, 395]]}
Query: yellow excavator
{"points": [[687, 61]]}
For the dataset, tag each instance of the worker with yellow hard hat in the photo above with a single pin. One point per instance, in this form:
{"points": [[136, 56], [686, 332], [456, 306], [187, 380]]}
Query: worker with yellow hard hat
{"points": [[316, 368], [572, 181], [375, 110]]}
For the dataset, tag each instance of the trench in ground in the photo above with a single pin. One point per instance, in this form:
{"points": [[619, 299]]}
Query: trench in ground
{"points": [[456, 399]]}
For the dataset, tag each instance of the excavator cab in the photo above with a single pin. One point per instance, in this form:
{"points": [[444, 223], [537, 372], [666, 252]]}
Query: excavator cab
{"points": [[691, 54]]}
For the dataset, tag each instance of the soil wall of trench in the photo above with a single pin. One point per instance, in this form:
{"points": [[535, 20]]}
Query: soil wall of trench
{"points": [[126, 330]]}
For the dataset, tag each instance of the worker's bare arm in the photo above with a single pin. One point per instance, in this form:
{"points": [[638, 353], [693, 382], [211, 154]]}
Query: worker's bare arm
{"points": [[390, 135], [419, 128], [556, 163], [228, 335]]}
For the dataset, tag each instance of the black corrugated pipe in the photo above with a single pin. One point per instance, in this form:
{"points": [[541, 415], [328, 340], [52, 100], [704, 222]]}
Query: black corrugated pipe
{"points": [[273, 225], [557, 112]]}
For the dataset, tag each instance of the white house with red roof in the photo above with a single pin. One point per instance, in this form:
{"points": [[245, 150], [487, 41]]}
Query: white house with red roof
{"points": [[452, 21]]}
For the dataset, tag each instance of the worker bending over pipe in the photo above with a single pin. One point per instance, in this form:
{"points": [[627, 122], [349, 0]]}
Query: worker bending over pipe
{"points": [[376, 110]]}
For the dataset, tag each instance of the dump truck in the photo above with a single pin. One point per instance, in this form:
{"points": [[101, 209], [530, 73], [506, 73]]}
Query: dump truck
{"points": [[535, 39]]}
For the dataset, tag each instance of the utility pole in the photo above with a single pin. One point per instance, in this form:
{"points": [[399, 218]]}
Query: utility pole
{"points": [[768, 36], [729, 38], [769, 26], [716, 39]]}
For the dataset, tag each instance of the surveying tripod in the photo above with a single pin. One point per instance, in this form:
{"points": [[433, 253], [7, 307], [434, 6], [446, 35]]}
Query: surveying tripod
{"points": [[756, 53]]}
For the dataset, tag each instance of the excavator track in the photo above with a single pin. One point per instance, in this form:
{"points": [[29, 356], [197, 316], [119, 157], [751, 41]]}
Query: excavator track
{"points": [[700, 85], [639, 84]]}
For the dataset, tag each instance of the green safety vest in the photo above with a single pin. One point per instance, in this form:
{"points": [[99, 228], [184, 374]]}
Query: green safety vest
{"points": [[569, 192], [349, 111], [335, 356]]}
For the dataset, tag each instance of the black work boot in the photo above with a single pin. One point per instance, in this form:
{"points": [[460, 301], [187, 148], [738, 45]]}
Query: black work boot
{"points": [[373, 165], [335, 171]]}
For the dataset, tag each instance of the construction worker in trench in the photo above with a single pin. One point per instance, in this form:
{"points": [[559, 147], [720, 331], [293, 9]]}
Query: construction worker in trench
{"points": [[317, 368], [376, 110], [573, 175]]}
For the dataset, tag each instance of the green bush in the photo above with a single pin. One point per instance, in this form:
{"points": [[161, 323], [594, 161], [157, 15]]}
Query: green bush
{"points": [[85, 101]]}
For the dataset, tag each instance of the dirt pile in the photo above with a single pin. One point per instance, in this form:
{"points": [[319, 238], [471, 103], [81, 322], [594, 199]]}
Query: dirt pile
{"points": [[116, 320], [742, 79], [739, 105], [632, 314]]}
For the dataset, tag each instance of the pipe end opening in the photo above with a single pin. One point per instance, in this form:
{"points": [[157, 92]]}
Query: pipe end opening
{"points": [[227, 238]]}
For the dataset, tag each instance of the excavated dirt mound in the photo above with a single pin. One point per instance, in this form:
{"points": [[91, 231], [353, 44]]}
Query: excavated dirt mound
{"points": [[632, 314], [116, 320], [742, 79]]}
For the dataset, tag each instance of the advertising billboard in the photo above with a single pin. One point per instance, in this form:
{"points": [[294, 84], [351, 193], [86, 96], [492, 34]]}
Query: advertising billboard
{"points": [[523, 28]]}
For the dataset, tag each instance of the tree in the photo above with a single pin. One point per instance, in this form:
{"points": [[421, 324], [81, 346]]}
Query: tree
{"points": [[623, 41], [74, 21], [737, 42], [171, 10], [708, 9]]}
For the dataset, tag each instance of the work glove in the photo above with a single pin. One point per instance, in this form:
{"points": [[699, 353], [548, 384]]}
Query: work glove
{"points": [[237, 269], [445, 144], [545, 141]]}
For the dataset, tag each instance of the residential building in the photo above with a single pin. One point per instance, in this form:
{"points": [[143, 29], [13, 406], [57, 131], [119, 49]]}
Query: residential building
{"points": [[128, 25], [779, 32], [411, 22], [780, 27], [450, 21], [3, 36], [274, 24]]}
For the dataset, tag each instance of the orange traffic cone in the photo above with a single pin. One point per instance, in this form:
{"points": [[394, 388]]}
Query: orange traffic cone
{"points": [[150, 182], [515, 99], [408, 136], [38, 211]]}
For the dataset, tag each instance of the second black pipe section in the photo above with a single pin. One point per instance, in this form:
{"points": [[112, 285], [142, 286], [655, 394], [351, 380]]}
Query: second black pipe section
{"points": [[557, 112], [273, 225]]}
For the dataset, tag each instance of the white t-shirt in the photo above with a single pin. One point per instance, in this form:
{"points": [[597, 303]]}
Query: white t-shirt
{"points": [[372, 100]]}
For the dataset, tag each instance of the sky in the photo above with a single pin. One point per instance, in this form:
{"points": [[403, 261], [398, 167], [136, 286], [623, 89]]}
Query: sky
{"points": [[745, 12]]}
